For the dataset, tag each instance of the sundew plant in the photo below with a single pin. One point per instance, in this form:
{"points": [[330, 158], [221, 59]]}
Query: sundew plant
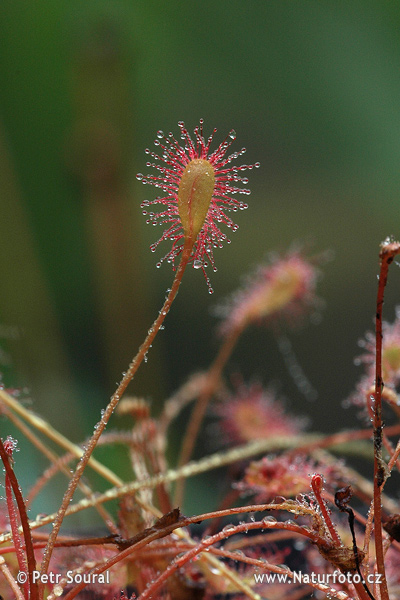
{"points": [[297, 518]]}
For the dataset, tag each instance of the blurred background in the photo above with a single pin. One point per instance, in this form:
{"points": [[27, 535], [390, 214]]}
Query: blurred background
{"points": [[313, 91]]}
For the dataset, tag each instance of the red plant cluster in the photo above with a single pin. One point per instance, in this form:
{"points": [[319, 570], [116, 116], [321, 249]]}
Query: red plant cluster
{"points": [[253, 413], [283, 290]]}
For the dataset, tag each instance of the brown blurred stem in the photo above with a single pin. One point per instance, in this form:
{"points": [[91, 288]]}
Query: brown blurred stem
{"points": [[212, 380]]}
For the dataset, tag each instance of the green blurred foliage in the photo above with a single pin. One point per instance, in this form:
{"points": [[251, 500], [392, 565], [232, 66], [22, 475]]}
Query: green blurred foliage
{"points": [[313, 91]]}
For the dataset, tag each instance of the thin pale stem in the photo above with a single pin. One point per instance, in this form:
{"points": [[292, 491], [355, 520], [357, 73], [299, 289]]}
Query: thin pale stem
{"points": [[213, 378], [10, 579], [57, 465], [46, 429], [127, 378], [394, 457]]}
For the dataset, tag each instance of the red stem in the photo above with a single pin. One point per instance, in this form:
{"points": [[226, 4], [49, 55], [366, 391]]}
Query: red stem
{"points": [[19, 546], [30, 556], [316, 483], [387, 254]]}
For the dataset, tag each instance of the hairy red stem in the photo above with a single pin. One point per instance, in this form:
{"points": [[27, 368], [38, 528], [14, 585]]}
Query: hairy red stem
{"points": [[388, 251], [30, 556], [19, 546]]}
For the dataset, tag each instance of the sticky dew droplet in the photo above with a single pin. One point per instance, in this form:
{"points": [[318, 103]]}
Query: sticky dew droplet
{"points": [[228, 528], [269, 520]]}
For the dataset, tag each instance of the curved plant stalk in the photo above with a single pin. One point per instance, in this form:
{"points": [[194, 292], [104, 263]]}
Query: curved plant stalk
{"points": [[127, 378], [187, 393]]}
